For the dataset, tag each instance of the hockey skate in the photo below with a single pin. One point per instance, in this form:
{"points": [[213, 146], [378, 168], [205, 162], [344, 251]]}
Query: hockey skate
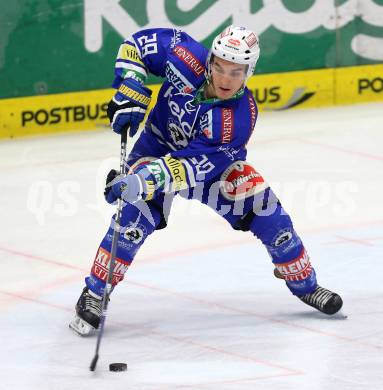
{"points": [[323, 300], [88, 313]]}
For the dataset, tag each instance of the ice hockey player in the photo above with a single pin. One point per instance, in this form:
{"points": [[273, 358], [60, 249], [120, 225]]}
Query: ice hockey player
{"points": [[193, 143]]}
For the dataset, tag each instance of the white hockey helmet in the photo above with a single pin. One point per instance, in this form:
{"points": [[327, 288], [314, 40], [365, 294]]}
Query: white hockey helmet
{"points": [[235, 44]]}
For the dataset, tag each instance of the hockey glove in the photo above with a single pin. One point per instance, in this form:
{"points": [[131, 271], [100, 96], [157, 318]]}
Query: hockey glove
{"points": [[128, 106], [108, 193], [130, 188]]}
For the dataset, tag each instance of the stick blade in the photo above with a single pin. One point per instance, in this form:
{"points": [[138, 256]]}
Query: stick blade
{"points": [[93, 364]]}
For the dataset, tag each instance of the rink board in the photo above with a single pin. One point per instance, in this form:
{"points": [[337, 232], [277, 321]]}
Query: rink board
{"points": [[274, 92]]}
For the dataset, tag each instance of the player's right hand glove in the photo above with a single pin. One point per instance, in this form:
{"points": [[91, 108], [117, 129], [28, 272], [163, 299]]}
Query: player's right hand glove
{"points": [[108, 193], [128, 106]]}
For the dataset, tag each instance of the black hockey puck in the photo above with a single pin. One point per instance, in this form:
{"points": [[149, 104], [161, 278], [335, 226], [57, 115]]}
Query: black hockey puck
{"points": [[118, 367]]}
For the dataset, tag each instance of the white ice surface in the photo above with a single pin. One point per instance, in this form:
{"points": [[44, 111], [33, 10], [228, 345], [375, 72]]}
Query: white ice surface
{"points": [[199, 308]]}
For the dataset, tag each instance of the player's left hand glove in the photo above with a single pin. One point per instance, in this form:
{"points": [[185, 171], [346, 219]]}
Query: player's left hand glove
{"points": [[130, 188], [128, 106]]}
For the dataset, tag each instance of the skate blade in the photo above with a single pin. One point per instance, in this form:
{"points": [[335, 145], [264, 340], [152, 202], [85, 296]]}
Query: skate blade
{"points": [[81, 327], [340, 315]]}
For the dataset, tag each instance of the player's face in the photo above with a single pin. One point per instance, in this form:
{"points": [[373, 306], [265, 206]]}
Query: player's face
{"points": [[227, 77]]}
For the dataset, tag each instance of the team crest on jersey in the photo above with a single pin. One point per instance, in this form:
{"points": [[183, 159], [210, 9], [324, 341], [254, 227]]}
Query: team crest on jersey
{"points": [[177, 135], [240, 180]]}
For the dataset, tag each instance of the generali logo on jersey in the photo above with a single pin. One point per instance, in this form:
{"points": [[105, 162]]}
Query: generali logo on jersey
{"points": [[227, 125], [188, 58], [253, 111]]}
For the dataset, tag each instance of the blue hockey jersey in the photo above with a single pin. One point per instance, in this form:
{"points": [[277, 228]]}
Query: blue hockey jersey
{"points": [[197, 145], [201, 137]]}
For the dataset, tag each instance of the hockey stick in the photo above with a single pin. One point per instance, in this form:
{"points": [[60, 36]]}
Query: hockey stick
{"points": [[116, 232]]}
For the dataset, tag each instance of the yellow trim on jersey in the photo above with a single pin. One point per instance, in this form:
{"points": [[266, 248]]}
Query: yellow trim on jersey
{"points": [[150, 188], [178, 173], [130, 53]]}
